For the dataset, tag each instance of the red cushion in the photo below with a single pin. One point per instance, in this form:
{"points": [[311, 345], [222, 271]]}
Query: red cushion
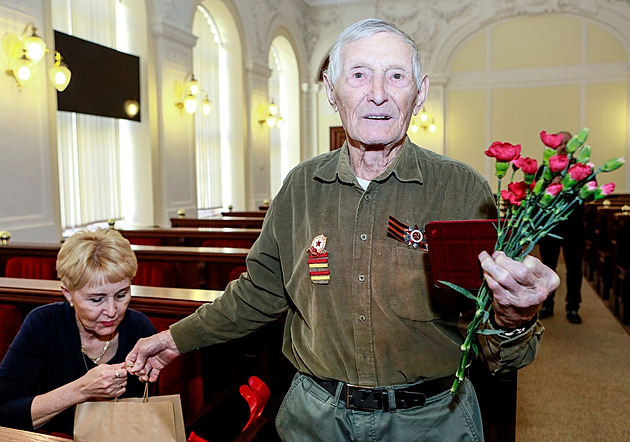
{"points": [[235, 273], [155, 274], [31, 267], [146, 241], [236, 243], [10, 321]]}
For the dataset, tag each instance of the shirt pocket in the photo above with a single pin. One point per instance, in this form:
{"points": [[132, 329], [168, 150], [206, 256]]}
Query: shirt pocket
{"points": [[410, 284]]}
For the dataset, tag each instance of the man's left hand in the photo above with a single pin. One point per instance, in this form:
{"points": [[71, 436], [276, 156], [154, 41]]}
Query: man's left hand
{"points": [[519, 288]]}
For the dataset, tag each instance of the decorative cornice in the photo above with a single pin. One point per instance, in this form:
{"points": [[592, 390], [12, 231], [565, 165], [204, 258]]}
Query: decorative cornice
{"points": [[174, 33]]}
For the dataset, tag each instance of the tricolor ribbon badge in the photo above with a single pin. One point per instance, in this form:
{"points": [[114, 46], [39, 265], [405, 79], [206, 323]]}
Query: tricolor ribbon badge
{"points": [[318, 261], [412, 236]]}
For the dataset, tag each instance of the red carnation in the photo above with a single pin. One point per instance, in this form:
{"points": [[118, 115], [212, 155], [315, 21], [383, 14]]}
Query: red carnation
{"points": [[503, 152], [551, 140], [528, 165], [557, 163]]}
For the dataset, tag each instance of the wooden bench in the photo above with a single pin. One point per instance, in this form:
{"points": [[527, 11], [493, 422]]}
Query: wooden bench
{"points": [[195, 267], [247, 214], [190, 236], [228, 221]]}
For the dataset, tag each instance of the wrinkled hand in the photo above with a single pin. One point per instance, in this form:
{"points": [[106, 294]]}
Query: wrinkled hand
{"points": [[102, 382], [150, 355], [519, 288]]}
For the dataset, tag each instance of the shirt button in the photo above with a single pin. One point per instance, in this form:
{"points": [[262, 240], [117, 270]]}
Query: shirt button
{"points": [[367, 197], [363, 237], [362, 318], [361, 278]]}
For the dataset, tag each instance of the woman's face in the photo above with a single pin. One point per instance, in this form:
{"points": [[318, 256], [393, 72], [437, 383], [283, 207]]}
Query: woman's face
{"points": [[100, 307]]}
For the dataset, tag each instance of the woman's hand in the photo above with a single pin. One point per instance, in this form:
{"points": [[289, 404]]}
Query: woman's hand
{"points": [[104, 381]]}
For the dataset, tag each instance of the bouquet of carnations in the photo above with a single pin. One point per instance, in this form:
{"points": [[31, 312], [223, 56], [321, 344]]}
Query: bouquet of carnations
{"points": [[533, 208]]}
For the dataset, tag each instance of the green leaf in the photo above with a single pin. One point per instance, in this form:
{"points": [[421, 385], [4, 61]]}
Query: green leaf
{"points": [[459, 289]]}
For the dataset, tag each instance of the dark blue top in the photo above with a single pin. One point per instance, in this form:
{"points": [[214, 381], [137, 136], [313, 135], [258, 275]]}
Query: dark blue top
{"points": [[46, 354]]}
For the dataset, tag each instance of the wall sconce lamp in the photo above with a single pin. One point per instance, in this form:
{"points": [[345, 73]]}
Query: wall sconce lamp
{"points": [[25, 51], [132, 107], [189, 92], [424, 122], [272, 116]]}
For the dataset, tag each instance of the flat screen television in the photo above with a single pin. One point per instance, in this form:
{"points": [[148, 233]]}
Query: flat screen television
{"points": [[102, 78]]}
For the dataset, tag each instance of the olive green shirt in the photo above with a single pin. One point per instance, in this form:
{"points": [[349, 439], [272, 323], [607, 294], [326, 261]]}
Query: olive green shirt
{"points": [[379, 320]]}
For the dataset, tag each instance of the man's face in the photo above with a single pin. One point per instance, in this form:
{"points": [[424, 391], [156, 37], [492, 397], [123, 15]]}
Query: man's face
{"points": [[376, 93]]}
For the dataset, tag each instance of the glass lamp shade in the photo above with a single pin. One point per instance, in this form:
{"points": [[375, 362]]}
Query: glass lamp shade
{"points": [[34, 47], [423, 116], [59, 76], [206, 106], [271, 121], [22, 69], [190, 103], [192, 87], [280, 122], [132, 107], [273, 108]]}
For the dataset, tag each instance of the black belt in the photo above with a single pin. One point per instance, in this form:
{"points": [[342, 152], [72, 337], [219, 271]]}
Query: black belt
{"points": [[370, 399]]}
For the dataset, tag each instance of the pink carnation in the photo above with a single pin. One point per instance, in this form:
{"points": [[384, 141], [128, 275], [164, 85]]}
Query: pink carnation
{"points": [[551, 140], [580, 171], [557, 163], [553, 189], [607, 189], [528, 165]]}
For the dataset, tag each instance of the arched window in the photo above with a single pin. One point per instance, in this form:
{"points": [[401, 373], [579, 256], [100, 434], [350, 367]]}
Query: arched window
{"points": [[209, 66], [88, 146], [284, 89]]}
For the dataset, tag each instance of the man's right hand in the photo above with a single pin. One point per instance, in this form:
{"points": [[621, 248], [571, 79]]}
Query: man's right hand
{"points": [[150, 355]]}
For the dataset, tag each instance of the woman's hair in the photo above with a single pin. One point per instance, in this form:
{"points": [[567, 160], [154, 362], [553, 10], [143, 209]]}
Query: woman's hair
{"points": [[95, 257], [367, 28]]}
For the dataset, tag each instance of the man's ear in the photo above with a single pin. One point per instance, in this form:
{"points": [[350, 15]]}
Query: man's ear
{"points": [[422, 94], [330, 92]]}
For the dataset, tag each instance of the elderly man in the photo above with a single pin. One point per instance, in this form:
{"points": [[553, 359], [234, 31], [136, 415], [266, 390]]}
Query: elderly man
{"points": [[361, 310]]}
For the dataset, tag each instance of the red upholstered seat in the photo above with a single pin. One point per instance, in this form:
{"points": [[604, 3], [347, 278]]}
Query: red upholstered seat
{"points": [[10, 321], [235, 273], [236, 243], [155, 274], [146, 241], [183, 376], [33, 267]]}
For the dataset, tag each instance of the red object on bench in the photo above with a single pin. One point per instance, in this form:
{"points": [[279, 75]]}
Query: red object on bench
{"points": [[256, 393], [32, 267]]}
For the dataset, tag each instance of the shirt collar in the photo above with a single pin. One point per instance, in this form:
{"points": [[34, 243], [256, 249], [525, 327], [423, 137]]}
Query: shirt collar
{"points": [[406, 166]]}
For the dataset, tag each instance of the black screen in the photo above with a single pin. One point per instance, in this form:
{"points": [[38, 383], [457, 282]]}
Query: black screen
{"points": [[102, 78]]}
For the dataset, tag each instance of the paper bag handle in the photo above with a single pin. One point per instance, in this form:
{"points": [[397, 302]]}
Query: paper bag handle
{"points": [[145, 396]]}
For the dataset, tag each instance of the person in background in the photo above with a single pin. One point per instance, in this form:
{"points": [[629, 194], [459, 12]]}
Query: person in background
{"points": [[375, 344], [571, 241], [69, 352]]}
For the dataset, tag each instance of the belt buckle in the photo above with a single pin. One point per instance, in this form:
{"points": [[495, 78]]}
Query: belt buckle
{"points": [[351, 390]]}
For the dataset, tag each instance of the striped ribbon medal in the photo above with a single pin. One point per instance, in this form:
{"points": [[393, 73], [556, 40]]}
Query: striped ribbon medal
{"points": [[412, 236], [318, 261]]}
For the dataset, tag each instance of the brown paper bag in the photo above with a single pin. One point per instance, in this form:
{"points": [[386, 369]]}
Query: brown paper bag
{"points": [[151, 419]]}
